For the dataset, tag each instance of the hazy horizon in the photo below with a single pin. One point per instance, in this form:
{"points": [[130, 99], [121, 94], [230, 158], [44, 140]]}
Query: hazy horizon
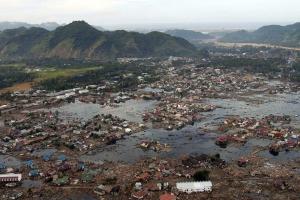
{"points": [[155, 14], [217, 26], [209, 27]]}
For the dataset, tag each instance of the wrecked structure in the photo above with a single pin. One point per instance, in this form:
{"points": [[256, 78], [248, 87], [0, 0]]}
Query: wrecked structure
{"points": [[78, 138]]}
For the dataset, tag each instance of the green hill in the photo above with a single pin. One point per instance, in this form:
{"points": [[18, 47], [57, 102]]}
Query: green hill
{"points": [[82, 41], [273, 34]]}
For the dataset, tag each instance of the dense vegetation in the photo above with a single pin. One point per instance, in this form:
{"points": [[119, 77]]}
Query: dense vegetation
{"points": [[42, 69], [79, 40], [61, 63], [255, 65], [10, 75], [273, 34], [124, 77]]}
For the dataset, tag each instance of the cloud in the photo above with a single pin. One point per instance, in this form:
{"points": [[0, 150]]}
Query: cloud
{"points": [[74, 6], [58, 10], [149, 11]]}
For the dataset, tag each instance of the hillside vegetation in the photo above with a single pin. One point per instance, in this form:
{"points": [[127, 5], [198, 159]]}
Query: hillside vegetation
{"points": [[274, 34], [79, 40]]}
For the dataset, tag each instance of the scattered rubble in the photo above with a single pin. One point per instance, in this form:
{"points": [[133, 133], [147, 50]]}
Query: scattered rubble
{"points": [[238, 130], [48, 148], [154, 145]]}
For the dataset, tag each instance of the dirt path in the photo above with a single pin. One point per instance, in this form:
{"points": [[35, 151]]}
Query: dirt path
{"points": [[17, 87]]}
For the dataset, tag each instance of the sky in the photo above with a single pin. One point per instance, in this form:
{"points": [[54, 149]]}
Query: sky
{"points": [[114, 13]]}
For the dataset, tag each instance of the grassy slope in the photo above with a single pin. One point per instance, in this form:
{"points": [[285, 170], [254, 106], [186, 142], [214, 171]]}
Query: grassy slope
{"points": [[44, 74], [50, 73]]}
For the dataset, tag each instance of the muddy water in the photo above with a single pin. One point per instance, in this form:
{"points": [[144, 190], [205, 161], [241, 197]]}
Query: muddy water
{"points": [[131, 110], [191, 139], [280, 104], [184, 142], [32, 184]]}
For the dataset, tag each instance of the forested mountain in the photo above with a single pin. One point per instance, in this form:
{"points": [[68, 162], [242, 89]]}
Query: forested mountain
{"points": [[81, 40], [274, 34]]}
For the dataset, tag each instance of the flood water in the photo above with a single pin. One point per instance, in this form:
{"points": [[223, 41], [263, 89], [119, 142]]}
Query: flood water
{"points": [[32, 184], [191, 139], [131, 110], [280, 104]]}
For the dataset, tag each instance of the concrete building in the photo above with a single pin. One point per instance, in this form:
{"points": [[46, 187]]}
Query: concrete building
{"points": [[190, 187], [10, 177]]}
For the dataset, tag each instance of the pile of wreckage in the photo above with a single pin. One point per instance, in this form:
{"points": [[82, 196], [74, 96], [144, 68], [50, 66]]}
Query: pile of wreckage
{"points": [[174, 113], [238, 130]]}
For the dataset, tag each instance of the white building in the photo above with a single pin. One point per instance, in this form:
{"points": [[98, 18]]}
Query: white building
{"points": [[65, 96], [85, 91], [10, 177], [190, 187]]}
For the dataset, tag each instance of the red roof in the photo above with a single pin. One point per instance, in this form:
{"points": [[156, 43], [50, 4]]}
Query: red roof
{"points": [[167, 197]]}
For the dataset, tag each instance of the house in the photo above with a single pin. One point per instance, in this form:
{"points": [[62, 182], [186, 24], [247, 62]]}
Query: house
{"points": [[190, 187], [83, 91], [10, 177]]}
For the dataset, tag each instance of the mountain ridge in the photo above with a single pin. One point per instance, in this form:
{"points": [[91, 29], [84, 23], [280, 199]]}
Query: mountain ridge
{"points": [[82, 41], [50, 26], [272, 34]]}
